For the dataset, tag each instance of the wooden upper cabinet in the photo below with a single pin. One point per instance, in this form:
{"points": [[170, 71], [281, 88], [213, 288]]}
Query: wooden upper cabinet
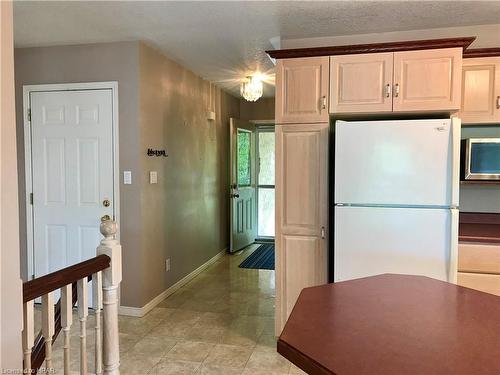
{"points": [[302, 90], [361, 83], [427, 80], [480, 90]]}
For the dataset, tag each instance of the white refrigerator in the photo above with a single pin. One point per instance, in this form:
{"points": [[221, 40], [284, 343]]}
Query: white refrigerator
{"points": [[396, 198]]}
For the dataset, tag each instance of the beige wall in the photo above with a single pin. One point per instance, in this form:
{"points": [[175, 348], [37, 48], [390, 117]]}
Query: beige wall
{"points": [[262, 109], [185, 215], [161, 105], [10, 281]]}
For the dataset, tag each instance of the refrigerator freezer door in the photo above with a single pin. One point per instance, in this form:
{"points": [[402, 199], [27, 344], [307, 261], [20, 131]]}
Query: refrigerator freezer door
{"points": [[404, 162], [371, 241]]}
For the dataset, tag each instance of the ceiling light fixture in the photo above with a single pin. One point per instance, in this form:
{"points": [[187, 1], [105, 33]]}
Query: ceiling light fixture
{"points": [[252, 88]]}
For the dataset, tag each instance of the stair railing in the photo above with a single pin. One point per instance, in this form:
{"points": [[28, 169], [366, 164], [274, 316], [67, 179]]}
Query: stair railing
{"points": [[105, 273]]}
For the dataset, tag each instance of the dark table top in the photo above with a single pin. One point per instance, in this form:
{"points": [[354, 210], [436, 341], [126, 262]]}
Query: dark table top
{"points": [[394, 324]]}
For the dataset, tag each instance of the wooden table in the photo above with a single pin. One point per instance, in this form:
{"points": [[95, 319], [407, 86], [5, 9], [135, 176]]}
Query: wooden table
{"points": [[394, 324]]}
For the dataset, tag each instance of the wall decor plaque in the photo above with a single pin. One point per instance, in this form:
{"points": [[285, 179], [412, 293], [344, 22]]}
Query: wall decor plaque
{"points": [[158, 153]]}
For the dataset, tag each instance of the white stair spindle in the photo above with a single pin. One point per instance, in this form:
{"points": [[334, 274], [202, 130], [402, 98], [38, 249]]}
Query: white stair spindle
{"points": [[48, 327], [28, 334], [111, 279], [66, 322], [83, 312], [97, 304]]}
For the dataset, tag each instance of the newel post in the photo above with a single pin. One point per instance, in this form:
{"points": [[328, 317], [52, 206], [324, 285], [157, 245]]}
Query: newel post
{"points": [[111, 278]]}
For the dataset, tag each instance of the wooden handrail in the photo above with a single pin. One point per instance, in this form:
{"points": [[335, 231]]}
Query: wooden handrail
{"points": [[70, 275], [42, 285], [105, 273]]}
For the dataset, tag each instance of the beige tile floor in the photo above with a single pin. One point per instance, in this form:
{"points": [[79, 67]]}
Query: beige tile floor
{"points": [[222, 322]]}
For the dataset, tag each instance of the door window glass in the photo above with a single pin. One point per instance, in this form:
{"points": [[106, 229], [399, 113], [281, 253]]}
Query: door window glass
{"points": [[266, 156], [265, 191], [266, 212], [243, 157]]}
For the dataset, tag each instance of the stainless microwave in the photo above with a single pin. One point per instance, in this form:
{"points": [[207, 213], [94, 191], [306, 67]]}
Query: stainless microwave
{"points": [[481, 159]]}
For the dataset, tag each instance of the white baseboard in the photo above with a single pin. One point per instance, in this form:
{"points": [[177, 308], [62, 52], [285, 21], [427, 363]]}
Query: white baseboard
{"points": [[141, 311]]}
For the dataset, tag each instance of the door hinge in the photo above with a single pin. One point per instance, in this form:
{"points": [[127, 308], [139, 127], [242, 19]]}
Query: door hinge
{"points": [[29, 114], [31, 198]]}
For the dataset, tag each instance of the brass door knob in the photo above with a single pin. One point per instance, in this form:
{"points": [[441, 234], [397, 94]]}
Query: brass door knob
{"points": [[106, 203]]}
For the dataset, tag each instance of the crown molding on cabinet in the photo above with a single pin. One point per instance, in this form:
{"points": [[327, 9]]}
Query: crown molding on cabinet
{"points": [[411, 45], [481, 52]]}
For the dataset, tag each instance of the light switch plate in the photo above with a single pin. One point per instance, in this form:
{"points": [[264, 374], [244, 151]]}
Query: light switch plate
{"points": [[127, 177], [153, 177]]}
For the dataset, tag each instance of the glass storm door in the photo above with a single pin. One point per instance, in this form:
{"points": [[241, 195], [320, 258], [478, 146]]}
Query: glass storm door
{"points": [[242, 189], [265, 182]]}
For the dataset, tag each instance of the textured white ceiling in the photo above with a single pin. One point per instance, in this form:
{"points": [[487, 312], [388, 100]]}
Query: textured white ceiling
{"points": [[223, 41]]}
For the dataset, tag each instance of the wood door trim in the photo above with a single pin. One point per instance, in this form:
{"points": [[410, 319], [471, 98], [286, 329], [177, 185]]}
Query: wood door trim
{"points": [[410, 45], [481, 52]]}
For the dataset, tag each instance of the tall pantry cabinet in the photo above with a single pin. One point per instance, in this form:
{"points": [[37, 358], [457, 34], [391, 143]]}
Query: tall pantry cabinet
{"points": [[301, 179]]}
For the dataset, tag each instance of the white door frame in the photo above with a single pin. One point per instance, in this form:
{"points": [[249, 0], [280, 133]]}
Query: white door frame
{"points": [[262, 128], [27, 90]]}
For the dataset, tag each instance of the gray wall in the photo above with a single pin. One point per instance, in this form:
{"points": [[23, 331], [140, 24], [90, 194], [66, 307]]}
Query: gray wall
{"points": [[161, 105], [480, 198]]}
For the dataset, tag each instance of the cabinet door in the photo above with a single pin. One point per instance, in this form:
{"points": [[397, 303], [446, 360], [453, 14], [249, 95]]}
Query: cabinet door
{"points": [[302, 90], [480, 90], [479, 257], [427, 80], [303, 260], [361, 83], [301, 212], [481, 281]]}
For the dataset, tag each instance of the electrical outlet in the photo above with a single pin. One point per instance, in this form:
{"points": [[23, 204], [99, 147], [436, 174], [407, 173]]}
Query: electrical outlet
{"points": [[167, 264]]}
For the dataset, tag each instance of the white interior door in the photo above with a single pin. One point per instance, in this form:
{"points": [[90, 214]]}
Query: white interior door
{"points": [[72, 174], [404, 162], [243, 184]]}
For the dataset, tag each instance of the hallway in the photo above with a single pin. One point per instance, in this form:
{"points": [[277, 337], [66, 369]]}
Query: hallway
{"points": [[222, 322]]}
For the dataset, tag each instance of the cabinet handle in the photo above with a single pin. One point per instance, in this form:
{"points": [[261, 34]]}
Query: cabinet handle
{"points": [[323, 232], [323, 102], [388, 90], [498, 102], [396, 90]]}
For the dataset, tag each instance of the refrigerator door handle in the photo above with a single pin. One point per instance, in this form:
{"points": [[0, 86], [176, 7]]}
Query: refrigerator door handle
{"points": [[453, 265], [455, 161]]}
